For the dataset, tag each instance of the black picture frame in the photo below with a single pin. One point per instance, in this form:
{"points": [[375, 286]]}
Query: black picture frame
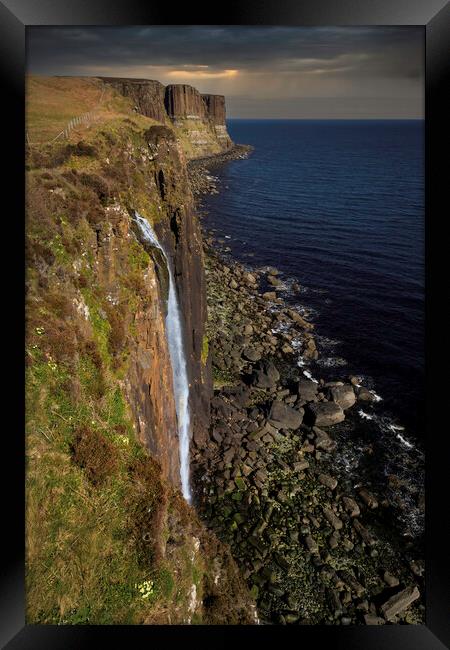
{"points": [[15, 17]]}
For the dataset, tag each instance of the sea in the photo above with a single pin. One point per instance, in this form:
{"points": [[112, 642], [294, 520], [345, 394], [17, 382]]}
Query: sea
{"points": [[337, 206]]}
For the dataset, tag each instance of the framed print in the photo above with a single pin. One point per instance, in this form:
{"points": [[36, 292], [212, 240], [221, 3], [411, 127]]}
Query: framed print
{"points": [[232, 425]]}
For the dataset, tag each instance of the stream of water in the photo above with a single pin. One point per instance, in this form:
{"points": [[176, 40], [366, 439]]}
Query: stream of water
{"points": [[174, 334]]}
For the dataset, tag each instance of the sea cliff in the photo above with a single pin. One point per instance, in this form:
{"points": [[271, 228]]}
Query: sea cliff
{"points": [[110, 538]]}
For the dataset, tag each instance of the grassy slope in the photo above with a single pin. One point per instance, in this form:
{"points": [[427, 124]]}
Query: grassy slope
{"points": [[108, 541]]}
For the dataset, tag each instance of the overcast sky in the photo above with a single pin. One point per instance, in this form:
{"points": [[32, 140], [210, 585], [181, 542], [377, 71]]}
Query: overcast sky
{"points": [[264, 72]]}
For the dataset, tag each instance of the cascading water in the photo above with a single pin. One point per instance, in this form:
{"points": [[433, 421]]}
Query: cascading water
{"points": [[174, 333]]}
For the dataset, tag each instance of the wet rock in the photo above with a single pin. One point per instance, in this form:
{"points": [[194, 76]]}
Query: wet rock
{"points": [[269, 295], [400, 602], [284, 417], [275, 282], [310, 351], [299, 320], [364, 395], [325, 414], [344, 395]]}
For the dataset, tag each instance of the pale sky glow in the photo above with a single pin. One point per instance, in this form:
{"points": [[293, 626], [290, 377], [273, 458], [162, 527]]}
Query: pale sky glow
{"points": [[198, 75], [280, 72]]}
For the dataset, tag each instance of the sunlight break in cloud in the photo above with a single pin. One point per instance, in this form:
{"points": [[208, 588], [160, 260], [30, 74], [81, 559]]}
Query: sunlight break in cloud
{"points": [[201, 74]]}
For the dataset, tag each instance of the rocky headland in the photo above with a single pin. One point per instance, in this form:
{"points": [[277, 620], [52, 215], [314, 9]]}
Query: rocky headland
{"points": [[275, 522]]}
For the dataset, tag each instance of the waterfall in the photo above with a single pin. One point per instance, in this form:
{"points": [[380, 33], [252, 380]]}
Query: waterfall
{"points": [[174, 334]]}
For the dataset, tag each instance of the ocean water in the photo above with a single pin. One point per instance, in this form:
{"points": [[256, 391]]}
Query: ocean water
{"points": [[338, 206]]}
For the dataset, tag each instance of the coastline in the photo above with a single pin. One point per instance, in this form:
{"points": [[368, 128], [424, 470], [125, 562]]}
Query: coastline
{"points": [[313, 546]]}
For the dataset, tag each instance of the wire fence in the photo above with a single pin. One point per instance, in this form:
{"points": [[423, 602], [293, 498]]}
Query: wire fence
{"points": [[84, 119]]}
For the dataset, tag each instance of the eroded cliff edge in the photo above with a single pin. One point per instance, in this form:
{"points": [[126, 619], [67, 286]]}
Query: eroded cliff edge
{"points": [[108, 533], [199, 119]]}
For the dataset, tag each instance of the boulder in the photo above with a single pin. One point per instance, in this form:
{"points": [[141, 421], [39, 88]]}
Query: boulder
{"points": [[368, 499], [390, 580], [344, 395], [265, 375], [373, 619], [249, 278], [269, 295], [251, 354], [398, 603], [325, 414], [332, 519], [323, 440], [299, 320], [284, 417], [329, 481], [307, 390], [364, 395], [351, 507]]}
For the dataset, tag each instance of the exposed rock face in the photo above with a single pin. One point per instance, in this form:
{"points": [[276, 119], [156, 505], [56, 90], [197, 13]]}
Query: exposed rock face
{"points": [[199, 119], [147, 95], [181, 238], [215, 106], [183, 101]]}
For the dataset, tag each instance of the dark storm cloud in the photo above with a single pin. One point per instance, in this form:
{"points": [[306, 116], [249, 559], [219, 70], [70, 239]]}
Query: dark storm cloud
{"points": [[279, 61]]}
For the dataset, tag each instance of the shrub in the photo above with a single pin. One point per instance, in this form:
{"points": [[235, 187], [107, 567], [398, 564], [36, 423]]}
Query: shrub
{"points": [[98, 184], [94, 454]]}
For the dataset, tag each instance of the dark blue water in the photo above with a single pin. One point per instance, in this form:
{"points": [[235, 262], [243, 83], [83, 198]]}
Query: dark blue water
{"points": [[339, 205]]}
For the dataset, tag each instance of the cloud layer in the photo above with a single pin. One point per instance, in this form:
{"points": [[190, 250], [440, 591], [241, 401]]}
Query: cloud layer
{"points": [[263, 71]]}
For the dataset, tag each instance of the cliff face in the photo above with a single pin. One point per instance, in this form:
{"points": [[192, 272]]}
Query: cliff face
{"points": [[184, 101], [99, 381], [199, 120], [146, 94], [215, 105]]}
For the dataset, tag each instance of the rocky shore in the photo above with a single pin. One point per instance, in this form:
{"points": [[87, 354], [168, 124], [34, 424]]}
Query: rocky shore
{"points": [[199, 169], [314, 546]]}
